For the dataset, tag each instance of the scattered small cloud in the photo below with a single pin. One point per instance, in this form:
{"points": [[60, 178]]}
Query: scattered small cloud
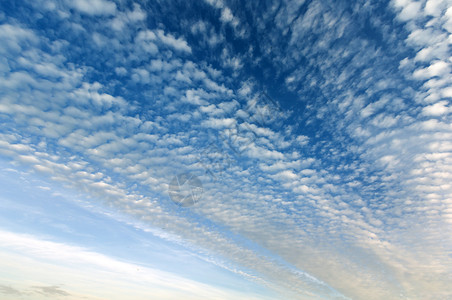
{"points": [[50, 291], [7, 290]]}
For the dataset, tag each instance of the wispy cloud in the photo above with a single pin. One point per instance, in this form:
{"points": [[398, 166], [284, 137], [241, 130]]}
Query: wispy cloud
{"points": [[83, 273]]}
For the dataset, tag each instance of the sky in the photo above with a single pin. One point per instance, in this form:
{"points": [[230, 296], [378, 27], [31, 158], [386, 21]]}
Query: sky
{"points": [[225, 149]]}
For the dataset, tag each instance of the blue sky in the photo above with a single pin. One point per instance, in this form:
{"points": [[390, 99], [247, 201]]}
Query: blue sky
{"points": [[315, 135]]}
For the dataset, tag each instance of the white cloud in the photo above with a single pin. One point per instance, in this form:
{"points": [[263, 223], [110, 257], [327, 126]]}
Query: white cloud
{"points": [[434, 7], [123, 19], [226, 15], [82, 273], [94, 7], [13, 37], [176, 43], [258, 152], [409, 9], [195, 97], [437, 109], [437, 68], [219, 123]]}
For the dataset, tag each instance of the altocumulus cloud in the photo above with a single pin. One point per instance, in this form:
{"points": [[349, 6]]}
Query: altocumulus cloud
{"points": [[339, 189]]}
